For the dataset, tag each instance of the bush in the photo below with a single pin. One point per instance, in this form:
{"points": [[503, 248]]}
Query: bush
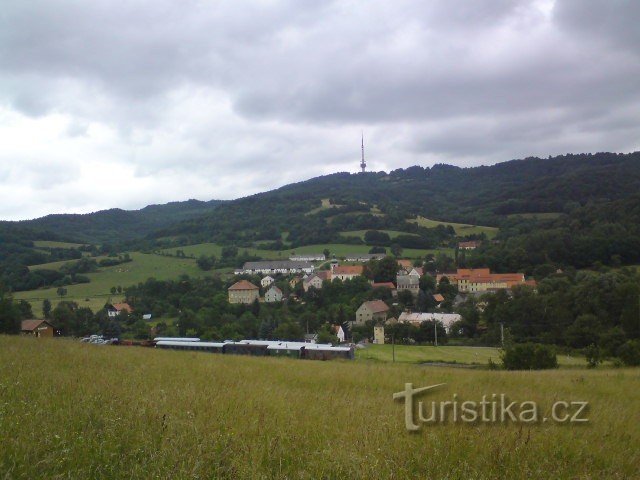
{"points": [[593, 355], [629, 353], [529, 356]]}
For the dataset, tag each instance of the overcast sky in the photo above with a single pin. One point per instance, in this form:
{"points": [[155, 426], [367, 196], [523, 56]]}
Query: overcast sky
{"points": [[124, 104]]}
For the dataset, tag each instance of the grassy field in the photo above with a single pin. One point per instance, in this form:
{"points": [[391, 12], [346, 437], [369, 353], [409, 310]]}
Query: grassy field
{"points": [[70, 410], [445, 354], [95, 294], [460, 228], [51, 244], [337, 249], [540, 216], [360, 233]]}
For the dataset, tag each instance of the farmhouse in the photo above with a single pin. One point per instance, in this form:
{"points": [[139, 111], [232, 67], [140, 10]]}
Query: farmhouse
{"points": [[38, 328], [266, 281], [469, 280], [274, 294], [364, 257], [408, 281], [447, 319], [115, 309], [346, 272], [243, 292], [372, 310], [472, 245], [276, 266], [308, 257]]}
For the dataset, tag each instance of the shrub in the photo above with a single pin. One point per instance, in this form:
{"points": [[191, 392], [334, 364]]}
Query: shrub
{"points": [[593, 355], [629, 352], [529, 356]]}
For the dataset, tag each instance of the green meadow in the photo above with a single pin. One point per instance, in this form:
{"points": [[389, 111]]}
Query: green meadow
{"points": [[360, 233], [96, 293], [446, 354], [460, 228], [71, 410], [52, 244], [337, 249]]}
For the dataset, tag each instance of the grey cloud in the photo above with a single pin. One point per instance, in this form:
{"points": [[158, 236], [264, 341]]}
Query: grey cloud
{"points": [[255, 94]]}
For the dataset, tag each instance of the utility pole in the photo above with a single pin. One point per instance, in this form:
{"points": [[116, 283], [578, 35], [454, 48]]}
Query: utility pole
{"points": [[393, 347], [502, 334], [435, 331]]}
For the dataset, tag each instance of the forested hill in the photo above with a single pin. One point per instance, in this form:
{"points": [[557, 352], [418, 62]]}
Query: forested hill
{"points": [[315, 210], [112, 225]]}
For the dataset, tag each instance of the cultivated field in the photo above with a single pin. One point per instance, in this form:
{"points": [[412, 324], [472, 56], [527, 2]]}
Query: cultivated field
{"points": [[460, 228], [70, 410]]}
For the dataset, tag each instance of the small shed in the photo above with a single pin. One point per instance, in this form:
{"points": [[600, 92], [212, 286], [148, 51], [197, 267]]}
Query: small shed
{"points": [[38, 328]]}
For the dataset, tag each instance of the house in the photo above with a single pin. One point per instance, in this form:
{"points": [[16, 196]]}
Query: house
{"points": [[364, 257], [378, 334], [447, 319], [372, 310], [472, 245], [275, 266], [346, 272], [408, 281], [338, 331], [115, 309], [312, 281], [274, 294], [243, 292], [480, 280], [389, 285], [311, 338], [308, 257], [37, 328], [438, 298], [266, 281]]}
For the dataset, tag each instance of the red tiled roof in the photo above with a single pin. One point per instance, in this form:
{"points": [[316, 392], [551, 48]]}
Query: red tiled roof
{"points": [[123, 306], [348, 270], [243, 285], [471, 244], [377, 306], [383, 285], [438, 298], [324, 274], [405, 263]]}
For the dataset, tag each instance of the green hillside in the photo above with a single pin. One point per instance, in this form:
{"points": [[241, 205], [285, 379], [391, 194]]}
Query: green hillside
{"points": [[96, 293]]}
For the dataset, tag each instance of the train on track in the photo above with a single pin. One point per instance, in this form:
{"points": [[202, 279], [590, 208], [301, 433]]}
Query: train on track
{"points": [[262, 348]]}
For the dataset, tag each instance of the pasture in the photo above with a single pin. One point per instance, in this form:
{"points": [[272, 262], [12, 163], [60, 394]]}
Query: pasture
{"points": [[71, 410], [461, 229], [446, 354], [360, 233], [52, 244], [338, 249], [96, 293]]}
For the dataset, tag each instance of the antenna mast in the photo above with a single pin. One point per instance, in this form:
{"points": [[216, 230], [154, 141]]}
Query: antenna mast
{"points": [[363, 164]]}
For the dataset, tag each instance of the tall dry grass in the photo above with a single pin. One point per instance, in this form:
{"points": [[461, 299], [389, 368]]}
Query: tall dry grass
{"points": [[69, 410]]}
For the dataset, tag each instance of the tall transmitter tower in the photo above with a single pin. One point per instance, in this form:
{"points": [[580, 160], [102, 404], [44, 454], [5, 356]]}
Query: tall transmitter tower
{"points": [[363, 164]]}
